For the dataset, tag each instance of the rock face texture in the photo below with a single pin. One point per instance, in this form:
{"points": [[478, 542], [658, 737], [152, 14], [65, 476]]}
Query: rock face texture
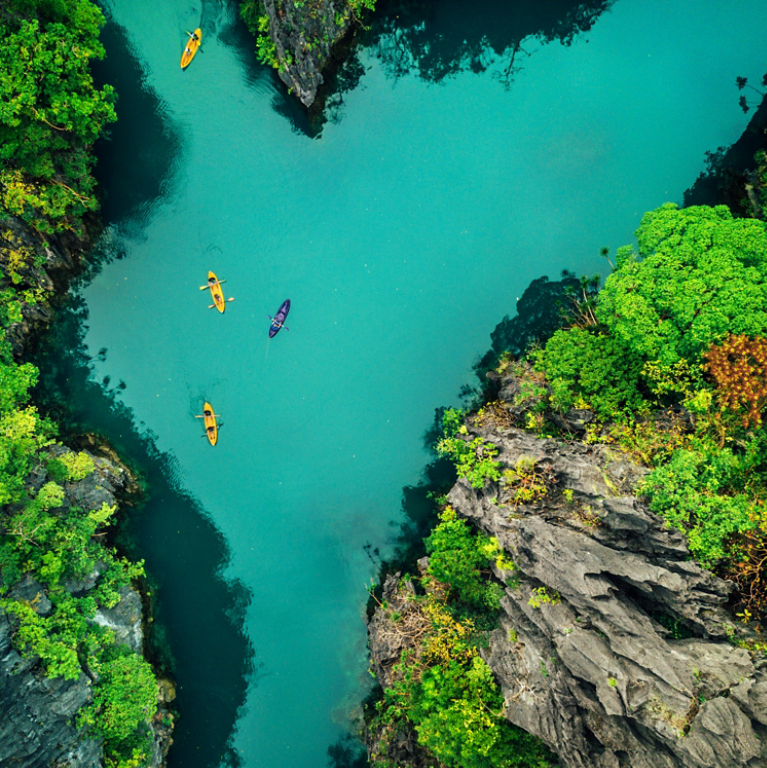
{"points": [[57, 259], [304, 34], [585, 651], [37, 725]]}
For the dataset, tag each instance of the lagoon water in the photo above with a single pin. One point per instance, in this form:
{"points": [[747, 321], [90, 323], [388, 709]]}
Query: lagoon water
{"points": [[402, 232]]}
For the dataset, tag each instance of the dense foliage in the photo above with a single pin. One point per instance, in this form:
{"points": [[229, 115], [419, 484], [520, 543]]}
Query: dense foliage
{"points": [[50, 114], [672, 360], [55, 544], [444, 689], [50, 111]]}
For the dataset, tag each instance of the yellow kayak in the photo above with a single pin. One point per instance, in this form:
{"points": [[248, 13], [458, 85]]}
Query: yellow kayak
{"points": [[191, 48], [211, 429], [216, 292]]}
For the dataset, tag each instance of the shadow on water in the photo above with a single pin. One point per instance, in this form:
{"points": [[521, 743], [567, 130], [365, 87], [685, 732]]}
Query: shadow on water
{"points": [[234, 34], [437, 39], [197, 636], [433, 39], [198, 633], [539, 314], [149, 143], [347, 752], [723, 182], [440, 38]]}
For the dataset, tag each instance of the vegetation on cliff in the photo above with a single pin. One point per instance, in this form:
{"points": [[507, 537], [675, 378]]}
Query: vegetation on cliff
{"points": [[666, 364], [50, 114], [296, 37], [50, 111], [672, 363], [442, 688]]}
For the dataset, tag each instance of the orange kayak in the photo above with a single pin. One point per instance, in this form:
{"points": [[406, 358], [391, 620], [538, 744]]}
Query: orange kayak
{"points": [[211, 430], [216, 292], [191, 48]]}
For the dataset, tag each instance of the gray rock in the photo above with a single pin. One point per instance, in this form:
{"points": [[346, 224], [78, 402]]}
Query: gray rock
{"points": [[304, 37], [37, 714], [124, 619], [593, 671]]}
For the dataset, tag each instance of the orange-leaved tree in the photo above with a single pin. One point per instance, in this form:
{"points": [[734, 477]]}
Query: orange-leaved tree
{"points": [[739, 367]]}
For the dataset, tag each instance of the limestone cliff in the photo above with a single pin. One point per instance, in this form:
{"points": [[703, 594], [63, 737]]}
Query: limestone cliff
{"points": [[612, 646], [37, 714], [305, 35], [35, 264]]}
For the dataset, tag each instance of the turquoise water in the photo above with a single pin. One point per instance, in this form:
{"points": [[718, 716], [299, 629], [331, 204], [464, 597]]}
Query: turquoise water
{"points": [[402, 234]]}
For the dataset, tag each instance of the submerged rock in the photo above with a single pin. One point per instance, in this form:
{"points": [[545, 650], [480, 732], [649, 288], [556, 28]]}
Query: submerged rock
{"points": [[583, 651]]}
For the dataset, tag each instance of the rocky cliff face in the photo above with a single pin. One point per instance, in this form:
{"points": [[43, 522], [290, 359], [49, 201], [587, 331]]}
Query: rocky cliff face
{"points": [[588, 651], [36, 713], [305, 34], [54, 262]]}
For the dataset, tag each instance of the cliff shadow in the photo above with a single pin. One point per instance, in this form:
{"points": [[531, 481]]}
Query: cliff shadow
{"points": [[438, 39], [540, 311], [149, 141], [723, 182], [196, 632]]}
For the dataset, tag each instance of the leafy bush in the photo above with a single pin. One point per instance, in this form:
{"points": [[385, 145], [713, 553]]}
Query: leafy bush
{"points": [[124, 696], [473, 460], [457, 557], [50, 111], [706, 493], [445, 691], [584, 364], [458, 715], [700, 275]]}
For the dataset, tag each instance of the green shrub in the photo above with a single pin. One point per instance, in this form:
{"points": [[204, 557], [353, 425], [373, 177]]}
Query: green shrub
{"points": [[584, 364], [699, 275], [78, 465], [124, 696], [702, 492], [473, 460], [457, 557], [50, 111]]}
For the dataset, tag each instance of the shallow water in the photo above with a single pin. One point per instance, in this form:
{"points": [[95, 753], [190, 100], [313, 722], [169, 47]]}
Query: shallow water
{"points": [[402, 234]]}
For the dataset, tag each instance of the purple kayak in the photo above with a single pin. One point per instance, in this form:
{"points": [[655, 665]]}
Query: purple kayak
{"points": [[278, 321]]}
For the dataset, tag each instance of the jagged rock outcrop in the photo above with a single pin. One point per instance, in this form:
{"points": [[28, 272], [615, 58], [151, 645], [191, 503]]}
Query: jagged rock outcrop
{"points": [[37, 714], [583, 653], [304, 35], [54, 259]]}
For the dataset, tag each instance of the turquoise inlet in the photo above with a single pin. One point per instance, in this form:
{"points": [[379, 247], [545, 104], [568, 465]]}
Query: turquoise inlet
{"points": [[402, 230]]}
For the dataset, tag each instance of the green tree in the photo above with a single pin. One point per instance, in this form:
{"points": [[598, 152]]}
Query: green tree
{"points": [[457, 557], [50, 110], [458, 712], [124, 697], [699, 275], [586, 364]]}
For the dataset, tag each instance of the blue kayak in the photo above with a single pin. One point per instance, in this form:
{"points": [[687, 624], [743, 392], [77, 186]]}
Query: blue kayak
{"points": [[278, 321]]}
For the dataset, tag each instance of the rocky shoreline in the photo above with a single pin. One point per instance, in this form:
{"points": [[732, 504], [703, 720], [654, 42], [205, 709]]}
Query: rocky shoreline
{"points": [[37, 713], [612, 646]]}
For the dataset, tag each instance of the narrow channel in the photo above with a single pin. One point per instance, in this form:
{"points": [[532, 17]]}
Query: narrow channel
{"points": [[474, 148]]}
